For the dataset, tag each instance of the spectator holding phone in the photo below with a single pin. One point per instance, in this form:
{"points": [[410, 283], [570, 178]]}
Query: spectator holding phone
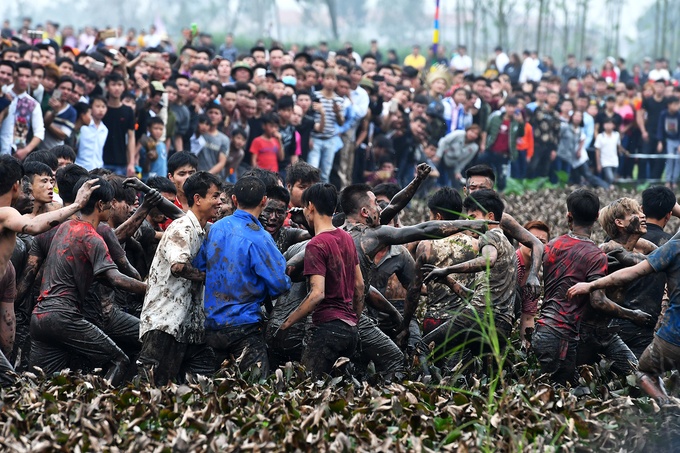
{"points": [[61, 116]]}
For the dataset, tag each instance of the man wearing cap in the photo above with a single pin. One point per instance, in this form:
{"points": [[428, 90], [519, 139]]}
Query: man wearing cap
{"points": [[241, 72]]}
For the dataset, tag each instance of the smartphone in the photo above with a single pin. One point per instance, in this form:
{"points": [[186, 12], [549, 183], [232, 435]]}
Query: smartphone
{"points": [[260, 72], [378, 78], [194, 29], [96, 66], [35, 34], [123, 51], [56, 94]]}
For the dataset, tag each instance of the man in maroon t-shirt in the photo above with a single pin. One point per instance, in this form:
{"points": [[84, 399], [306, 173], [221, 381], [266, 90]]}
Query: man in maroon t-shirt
{"points": [[336, 297], [569, 259]]}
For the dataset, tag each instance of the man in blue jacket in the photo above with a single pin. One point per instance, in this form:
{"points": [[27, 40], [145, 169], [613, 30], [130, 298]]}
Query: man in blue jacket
{"points": [[244, 269]]}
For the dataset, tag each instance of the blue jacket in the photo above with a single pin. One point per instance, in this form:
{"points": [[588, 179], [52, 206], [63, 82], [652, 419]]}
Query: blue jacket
{"points": [[243, 267]]}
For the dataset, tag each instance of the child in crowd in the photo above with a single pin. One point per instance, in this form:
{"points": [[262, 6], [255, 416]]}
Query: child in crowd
{"points": [[153, 151], [93, 134], [607, 148], [267, 149]]}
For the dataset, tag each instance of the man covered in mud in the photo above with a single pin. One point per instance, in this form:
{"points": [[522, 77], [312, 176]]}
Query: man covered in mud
{"points": [[243, 269], [172, 321], [492, 301], [13, 222], [336, 287], [274, 215], [482, 177], [364, 224], [442, 303], [77, 256], [663, 354], [570, 259], [625, 224]]}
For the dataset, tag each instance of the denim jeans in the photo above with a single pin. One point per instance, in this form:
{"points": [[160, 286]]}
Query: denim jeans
{"points": [[117, 169], [518, 167], [245, 342], [322, 155], [376, 346], [329, 341], [555, 354], [672, 165], [609, 174], [594, 342]]}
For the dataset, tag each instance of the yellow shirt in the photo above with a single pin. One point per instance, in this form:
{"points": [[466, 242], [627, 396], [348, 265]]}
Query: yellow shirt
{"points": [[417, 62]]}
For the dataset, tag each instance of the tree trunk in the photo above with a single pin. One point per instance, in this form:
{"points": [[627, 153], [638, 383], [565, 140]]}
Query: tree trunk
{"points": [[539, 33], [333, 14], [460, 22], [664, 27], [584, 17]]}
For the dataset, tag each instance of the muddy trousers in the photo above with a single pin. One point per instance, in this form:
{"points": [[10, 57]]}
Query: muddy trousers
{"points": [[165, 359], [329, 341], [376, 346], [243, 343], [57, 335]]}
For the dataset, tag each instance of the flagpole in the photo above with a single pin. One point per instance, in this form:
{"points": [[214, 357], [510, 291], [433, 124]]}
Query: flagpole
{"points": [[435, 33]]}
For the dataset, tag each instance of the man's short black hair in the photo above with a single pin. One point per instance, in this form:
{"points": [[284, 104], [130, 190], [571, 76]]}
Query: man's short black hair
{"points": [[45, 157], [32, 169], [64, 152], [114, 77], [481, 170], [120, 191], [97, 98], [278, 193], [103, 193], [324, 196], [268, 177], [584, 207], [285, 102], [11, 172], [657, 202], [198, 184], [24, 65], [67, 177], [249, 192], [485, 200], [302, 172], [446, 202], [354, 197], [10, 64], [155, 120], [161, 184], [388, 189], [269, 118], [182, 159], [66, 60]]}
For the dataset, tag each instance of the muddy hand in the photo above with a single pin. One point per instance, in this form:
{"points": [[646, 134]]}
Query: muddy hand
{"points": [[643, 319], [433, 273], [533, 285], [422, 170], [136, 184], [85, 191], [578, 289]]}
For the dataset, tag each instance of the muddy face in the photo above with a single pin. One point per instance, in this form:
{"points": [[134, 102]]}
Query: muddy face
{"points": [[637, 224], [273, 216]]}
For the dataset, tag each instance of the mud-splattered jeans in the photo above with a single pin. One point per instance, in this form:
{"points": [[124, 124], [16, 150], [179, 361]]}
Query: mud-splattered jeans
{"points": [[329, 341]]}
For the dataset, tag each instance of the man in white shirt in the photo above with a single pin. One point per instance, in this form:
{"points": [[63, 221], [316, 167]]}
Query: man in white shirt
{"points": [[530, 70], [502, 59], [461, 61], [659, 71], [24, 113]]}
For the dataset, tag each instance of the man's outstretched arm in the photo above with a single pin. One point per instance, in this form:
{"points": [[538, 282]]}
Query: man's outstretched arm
{"points": [[401, 199], [434, 229], [166, 206]]}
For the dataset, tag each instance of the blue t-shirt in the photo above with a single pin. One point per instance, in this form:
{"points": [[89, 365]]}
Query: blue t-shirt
{"points": [[666, 259], [243, 267], [159, 167]]}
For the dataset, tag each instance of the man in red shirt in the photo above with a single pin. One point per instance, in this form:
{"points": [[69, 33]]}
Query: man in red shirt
{"points": [[336, 297], [501, 139]]}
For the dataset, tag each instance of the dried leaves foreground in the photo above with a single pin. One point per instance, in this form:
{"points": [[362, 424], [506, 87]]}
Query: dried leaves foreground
{"points": [[289, 412]]}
